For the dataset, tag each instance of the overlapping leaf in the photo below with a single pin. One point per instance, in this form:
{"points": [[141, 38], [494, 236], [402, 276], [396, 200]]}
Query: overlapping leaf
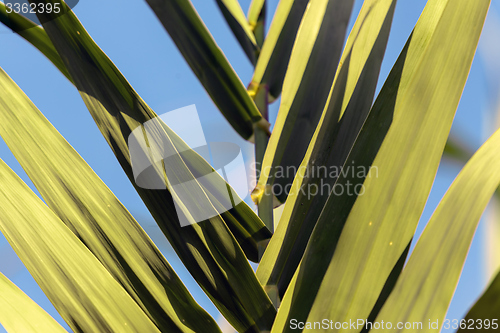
{"points": [[86, 205], [208, 249], [403, 137], [208, 63], [257, 20], [275, 54], [429, 279], [349, 101], [85, 294], [241, 28], [308, 81], [35, 35], [19, 314], [485, 309]]}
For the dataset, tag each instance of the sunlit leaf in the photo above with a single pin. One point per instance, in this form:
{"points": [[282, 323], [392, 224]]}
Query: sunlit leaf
{"points": [[308, 81], [349, 101], [19, 314], [257, 19], [86, 205], [427, 284], [85, 294], [208, 249], [403, 138], [242, 30], [275, 54]]}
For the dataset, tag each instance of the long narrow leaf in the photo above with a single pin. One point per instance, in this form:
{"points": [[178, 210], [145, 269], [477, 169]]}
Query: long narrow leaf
{"points": [[485, 309], [35, 35], [88, 298], [257, 20], [86, 205], [275, 54], [19, 314], [208, 248], [238, 23], [350, 101], [308, 81], [428, 281], [208, 63], [403, 137]]}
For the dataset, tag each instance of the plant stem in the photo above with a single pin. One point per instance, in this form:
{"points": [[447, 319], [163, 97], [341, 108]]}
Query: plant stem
{"points": [[265, 205]]}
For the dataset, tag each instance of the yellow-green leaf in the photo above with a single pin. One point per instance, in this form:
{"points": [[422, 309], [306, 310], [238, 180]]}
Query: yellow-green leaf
{"points": [[19, 314], [348, 104], [86, 205], [257, 20], [275, 54], [85, 294], [307, 84], [429, 279], [404, 138], [208, 249], [242, 30]]}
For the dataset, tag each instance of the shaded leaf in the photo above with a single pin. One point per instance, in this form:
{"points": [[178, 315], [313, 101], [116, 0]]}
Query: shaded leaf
{"points": [[242, 30], [35, 35], [308, 81], [485, 309], [208, 249], [348, 104], [208, 63]]}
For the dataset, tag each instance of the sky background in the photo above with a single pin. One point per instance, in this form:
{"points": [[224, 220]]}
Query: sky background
{"points": [[132, 37]]}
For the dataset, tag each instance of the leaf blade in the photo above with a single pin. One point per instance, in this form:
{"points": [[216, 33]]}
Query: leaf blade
{"points": [[208, 249], [412, 119], [238, 23], [83, 292], [308, 79], [348, 104], [87, 206], [435, 266], [208, 63], [19, 313]]}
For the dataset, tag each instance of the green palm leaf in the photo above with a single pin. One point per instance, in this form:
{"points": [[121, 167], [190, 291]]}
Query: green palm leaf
{"points": [[207, 249], [428, 282], [257, 20], [308, 80], [275, 54], [485, 309], [35, 35], [242, 30], [347, 107], [19, 314], [86, 205], [411, 117], [208, 63], [85, 294]]}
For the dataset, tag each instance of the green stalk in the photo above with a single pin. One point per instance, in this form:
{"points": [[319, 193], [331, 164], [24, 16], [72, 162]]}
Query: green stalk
{"points": [[265, 205]]}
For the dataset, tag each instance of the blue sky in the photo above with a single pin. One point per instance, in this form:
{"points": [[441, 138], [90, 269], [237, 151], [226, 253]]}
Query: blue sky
{"points": [[132, 37]]}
